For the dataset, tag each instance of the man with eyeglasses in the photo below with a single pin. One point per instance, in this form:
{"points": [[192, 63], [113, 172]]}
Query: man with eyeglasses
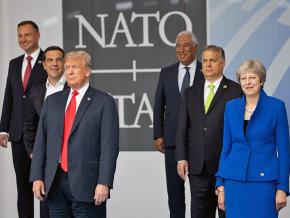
{"points": [[53, 58], [173, 80]]}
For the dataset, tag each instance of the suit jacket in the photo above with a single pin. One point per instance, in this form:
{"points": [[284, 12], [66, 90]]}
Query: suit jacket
{"points": [[12, 118], [167, 103], [33, 108], [199, 135], [92, 145], [262, 152]]}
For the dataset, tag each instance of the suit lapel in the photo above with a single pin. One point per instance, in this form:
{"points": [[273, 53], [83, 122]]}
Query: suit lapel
{"points": [[200, 94], [87, 99], [19, 72], [174, 79], [61, 111], [221, 90]]}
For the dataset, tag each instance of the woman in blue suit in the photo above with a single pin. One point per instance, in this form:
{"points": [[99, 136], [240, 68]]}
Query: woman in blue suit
{"points": [[253, 175]]}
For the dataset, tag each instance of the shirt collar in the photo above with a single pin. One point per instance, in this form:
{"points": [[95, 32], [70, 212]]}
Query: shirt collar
{"points": [[82, 90], [60, 82], [191, 65], [34, 54], [215, 83]]}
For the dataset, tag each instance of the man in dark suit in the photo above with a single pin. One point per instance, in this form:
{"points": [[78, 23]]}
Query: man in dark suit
{"points": [[24, 72], [53, 58], [200, 131], [76, 146], [172, 82]]}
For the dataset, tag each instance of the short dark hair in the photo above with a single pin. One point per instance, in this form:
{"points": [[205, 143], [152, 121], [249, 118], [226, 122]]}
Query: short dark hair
{"points": [[216, 48], [52, 48], [25, 22]]}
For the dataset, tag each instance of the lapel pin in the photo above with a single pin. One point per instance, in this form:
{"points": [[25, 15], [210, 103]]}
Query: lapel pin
{"points": [[89, 99], [225, 86], [39, 62]]}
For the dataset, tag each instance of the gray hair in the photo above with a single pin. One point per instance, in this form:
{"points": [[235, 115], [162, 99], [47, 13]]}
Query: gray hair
{"points": [[191, 34], [253, 66], [82, 54]]}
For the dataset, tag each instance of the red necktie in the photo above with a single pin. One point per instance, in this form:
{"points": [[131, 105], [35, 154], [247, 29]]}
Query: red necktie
{"points": [[68, 122], [27, 72]]}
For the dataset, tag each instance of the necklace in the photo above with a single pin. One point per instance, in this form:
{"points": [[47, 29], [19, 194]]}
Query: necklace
{"points": [[251, 112]]}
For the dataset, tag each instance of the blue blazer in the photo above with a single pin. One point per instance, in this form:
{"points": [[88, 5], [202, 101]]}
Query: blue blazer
{"points": [[262, 153]]}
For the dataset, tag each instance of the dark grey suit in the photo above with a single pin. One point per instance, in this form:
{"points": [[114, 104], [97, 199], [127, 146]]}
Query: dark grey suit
{"points": [[199, 141], [93, 144], [166, 110], [12, 121]]}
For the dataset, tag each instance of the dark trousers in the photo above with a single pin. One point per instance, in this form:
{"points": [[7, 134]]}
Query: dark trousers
{"points": [[203, 198], [175, 186], [62, 204], [21, 163], [44, 209]]}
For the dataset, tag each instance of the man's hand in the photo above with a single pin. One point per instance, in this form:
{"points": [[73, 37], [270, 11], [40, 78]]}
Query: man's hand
{"points": [[101, 194], [281, 200], [182, 169], [159, 144], [38, 189], [3, 140]]}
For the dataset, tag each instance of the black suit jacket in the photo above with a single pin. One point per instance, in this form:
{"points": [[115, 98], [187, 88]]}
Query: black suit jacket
{"points": [[12, 118], [199, 135], [168, 101], [33, 108], [93, 144]]}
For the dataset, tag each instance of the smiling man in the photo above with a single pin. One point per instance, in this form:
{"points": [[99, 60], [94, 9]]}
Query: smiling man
{"points": [[200, 131], [24, 72], [173, 80]]}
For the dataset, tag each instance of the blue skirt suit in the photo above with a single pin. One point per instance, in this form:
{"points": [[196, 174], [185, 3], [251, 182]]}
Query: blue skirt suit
{"points": [[254, 163]]}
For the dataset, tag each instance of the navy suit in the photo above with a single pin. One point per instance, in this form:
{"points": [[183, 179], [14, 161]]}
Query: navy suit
{"points": [[93, 144], [12, 120], [166, 110], [199, 141], [32, 113]]}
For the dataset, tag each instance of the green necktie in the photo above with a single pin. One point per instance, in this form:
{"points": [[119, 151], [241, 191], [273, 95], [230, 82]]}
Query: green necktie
{"points": [[209, 97]]}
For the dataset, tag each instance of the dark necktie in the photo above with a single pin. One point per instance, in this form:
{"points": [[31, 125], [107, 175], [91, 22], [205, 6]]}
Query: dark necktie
{"points": [[185, 82], [27, 72], [68, 122]]}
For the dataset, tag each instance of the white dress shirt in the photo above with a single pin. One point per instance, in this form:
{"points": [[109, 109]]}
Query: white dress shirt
{"points": [[207, 89], [79, 97], [34, 56], [50, 89], [182, 71]]}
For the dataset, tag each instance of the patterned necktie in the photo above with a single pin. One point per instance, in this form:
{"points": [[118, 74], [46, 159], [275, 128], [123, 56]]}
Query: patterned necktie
{"points": [[27, 72], [209, 97], [185, 82], [68, 122]]}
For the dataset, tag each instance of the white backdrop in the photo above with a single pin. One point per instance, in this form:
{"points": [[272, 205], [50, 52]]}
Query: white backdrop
{"points": [[140, 190]]}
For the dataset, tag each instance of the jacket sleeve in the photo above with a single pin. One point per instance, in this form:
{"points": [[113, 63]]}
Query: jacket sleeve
{"points": [[182, 131], [109, 143], [159, 107], [30, 126], [7, 104], [39, 150], [282, 141], [227, 145]]}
